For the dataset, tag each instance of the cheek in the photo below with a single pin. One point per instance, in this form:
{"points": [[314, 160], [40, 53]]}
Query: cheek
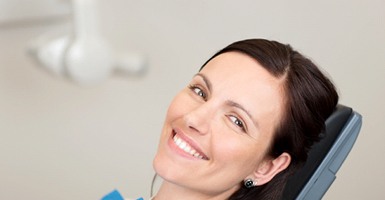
{"points": [[239, 152], [179, 106], [174, 109]]}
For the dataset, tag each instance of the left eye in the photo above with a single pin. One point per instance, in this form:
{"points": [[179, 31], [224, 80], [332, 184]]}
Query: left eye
{"points": [[237, 122], [198, 91]]}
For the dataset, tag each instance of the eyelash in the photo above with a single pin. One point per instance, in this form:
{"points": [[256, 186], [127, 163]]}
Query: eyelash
{"points": [[236, 121], [200, 93]]}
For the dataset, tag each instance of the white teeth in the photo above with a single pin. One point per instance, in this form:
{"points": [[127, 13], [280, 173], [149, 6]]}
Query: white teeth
{"points": [[178, 141], [192, 151], [186, 148], [182, 145]]}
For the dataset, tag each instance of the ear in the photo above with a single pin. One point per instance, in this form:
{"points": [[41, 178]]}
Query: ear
{"points": [[271, 167]]}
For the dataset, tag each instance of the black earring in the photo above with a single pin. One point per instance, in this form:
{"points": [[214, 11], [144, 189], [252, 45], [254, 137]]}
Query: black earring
{"points": [[249, 183]]}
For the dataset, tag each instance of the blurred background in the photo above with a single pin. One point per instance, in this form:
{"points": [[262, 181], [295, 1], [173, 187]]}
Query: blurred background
{"points": [[62, 140]]}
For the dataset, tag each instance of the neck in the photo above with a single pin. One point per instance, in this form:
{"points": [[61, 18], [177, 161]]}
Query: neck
{"points": [[170, 191]]}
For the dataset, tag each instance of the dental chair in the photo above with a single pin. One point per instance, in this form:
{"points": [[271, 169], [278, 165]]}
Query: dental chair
{"points": [[326, 157]]}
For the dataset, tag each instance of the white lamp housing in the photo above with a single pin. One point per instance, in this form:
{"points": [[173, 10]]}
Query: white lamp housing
{"points": [[85, 56]]}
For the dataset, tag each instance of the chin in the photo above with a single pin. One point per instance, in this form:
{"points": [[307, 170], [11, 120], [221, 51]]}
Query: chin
{"points": [[164, 168]]}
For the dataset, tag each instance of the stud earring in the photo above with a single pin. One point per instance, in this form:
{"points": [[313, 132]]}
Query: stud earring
{"points": [[248, 183]]}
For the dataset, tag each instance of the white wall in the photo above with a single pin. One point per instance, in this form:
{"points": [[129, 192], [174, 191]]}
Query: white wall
{"points": [[62, 141]]}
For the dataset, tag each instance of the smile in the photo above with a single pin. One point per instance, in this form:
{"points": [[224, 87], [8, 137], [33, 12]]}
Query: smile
{"points": [[183, 145]]}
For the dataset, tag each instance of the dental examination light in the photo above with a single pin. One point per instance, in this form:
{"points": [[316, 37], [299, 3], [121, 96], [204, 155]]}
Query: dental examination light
{"points": [[83, 56]]}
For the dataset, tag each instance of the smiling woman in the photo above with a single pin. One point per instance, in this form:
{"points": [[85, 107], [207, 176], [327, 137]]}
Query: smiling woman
{"points": [[244, 123]]}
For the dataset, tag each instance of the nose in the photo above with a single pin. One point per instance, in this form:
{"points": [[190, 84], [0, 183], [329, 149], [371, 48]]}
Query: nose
{"points": [[200, 118]]}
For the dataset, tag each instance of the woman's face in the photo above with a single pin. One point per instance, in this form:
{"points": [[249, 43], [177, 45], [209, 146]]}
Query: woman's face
{"points": [[218, 129]]}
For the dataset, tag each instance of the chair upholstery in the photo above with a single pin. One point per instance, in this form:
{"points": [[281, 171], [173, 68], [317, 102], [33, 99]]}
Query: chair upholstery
{"points": [[326, 156]]}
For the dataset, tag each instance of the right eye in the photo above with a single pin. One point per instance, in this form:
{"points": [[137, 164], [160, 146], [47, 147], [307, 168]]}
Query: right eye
{"points": [[238, 122], [198, 91]]}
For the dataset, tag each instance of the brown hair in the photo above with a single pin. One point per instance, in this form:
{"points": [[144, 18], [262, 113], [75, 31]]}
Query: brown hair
{"points": [[310, 99]]}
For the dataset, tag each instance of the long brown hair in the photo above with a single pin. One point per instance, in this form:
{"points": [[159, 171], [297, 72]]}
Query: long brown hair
{"points": [[310, 99]]}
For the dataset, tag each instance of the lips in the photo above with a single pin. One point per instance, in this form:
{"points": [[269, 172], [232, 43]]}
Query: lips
{"points": [[188, 147]]}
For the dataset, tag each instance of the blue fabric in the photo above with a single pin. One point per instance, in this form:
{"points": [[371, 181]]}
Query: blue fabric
{"points": [[114, 195]]}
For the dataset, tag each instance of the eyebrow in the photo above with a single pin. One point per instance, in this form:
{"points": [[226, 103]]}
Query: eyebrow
{"points": [[228, 102], [206, 80], [239, 106]]}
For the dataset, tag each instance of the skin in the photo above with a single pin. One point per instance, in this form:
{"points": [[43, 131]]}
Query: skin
{"points": [[228, 114]]}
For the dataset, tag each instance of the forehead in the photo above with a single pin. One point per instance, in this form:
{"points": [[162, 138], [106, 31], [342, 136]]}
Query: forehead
{"points": [[239, 77], [238, 68]]}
